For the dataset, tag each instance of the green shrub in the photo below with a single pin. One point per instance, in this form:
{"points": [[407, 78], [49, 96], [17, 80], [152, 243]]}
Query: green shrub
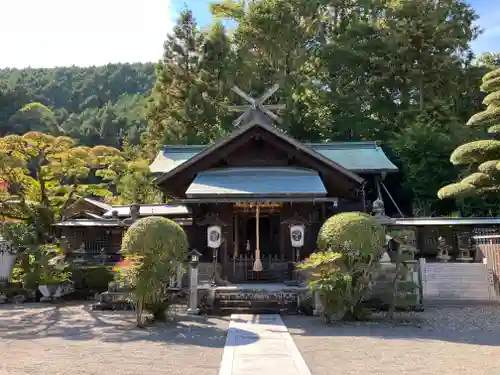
{"points": [[156, 236], [92, 280], [355, 232], [152, 248], [13, 290], [158, 309], [350, 244]]}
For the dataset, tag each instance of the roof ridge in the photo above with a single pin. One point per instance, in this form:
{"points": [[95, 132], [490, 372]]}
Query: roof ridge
{"points": [[184, 147], [344, 145]]}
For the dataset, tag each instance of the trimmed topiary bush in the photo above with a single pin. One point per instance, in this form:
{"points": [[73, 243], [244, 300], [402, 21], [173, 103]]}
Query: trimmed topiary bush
{"points": [[352, 232], [156, 236], [350, 246], [483, 154], [153, 248]]}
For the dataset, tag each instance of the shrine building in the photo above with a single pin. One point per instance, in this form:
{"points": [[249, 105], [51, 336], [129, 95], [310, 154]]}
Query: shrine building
{"points": [[255, 185]]}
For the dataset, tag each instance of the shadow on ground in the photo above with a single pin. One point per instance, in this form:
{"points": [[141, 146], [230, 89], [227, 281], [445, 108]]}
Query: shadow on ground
{"points": [[80, 322], [476, 326]]}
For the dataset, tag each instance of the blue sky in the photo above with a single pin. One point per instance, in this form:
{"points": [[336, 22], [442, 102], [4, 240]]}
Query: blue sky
{"points": [[94, 32]]}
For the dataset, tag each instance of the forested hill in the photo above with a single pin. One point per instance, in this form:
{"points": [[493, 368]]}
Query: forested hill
{"points": [[97, 105]]}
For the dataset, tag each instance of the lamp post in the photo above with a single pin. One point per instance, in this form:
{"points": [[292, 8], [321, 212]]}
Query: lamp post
{"points": [[194, 256]]}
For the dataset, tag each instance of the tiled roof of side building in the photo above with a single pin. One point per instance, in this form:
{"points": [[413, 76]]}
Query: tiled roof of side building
{"points": [[358, 157], [150, 210]]}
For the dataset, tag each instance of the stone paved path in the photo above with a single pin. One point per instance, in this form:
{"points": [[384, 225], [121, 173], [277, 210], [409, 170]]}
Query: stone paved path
{"points": [[262, 345]]}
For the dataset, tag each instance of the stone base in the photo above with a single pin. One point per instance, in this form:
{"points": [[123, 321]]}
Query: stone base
{"points": [[191, 311]]}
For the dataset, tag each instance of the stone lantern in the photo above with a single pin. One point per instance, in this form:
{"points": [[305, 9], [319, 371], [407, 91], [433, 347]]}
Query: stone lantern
{"points": [[443, 250], [464, 246], [194, 256], [378, 209]]}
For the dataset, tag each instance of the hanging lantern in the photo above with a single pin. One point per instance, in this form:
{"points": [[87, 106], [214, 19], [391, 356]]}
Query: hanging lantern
{"points": [[297, 235], [214, 236]]}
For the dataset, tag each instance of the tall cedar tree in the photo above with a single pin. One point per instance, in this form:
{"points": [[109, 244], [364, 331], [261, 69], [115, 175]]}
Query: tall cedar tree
{"points": [[172, 106]]}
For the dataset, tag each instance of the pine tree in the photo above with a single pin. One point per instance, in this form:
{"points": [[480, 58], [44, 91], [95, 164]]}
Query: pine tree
{"points": [[174, 105], [484, 154], [215, 77]]}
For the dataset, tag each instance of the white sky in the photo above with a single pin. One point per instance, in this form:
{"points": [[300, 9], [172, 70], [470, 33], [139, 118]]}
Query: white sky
{"points": [[47, 33]]}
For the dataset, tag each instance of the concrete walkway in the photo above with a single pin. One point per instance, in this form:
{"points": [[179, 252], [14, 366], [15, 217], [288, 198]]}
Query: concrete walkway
{"points": [[260, 345]]}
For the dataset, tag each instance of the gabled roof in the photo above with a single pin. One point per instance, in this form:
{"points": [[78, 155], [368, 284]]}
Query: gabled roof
{"points": [[100, 205], [83, 215], [358, 157], [97, 203], [176, 166]]}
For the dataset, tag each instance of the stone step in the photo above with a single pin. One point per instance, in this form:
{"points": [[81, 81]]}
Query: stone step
{"points": [[255, 302], [246, 310]]}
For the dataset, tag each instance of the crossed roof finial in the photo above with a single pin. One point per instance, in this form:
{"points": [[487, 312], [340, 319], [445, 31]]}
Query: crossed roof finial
{"points": [[256, 105]]}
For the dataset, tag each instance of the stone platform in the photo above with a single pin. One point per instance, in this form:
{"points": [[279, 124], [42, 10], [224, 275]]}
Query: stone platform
{"points": [[257, 298]]}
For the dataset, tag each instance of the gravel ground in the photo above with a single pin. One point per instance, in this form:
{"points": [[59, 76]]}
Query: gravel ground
{"points": [[442, 340], [75, 340], [59, 340]]}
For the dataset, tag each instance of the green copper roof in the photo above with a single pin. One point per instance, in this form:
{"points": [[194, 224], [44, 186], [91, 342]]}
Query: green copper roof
{"points": [[257, 181], [358, 157]]}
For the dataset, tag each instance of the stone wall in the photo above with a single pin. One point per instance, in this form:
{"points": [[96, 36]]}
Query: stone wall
{"points": [[457, 282]]}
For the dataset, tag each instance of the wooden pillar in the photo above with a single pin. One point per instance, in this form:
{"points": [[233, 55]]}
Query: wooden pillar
{"points": [[282, 242], [228, 238], [236, 236]]}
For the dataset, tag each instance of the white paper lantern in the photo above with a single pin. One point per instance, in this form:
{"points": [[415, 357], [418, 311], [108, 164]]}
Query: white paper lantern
{"points": [[297, 235], [214, 236]]}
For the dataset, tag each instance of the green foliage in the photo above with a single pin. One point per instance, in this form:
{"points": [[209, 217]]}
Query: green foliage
{"points": [[92, 279], [350, 245], [137, 185], [45, 172], [352, 231], [53, 267], [482, 154], [13, 290], [156, 236], [457, 190], [231, 9], [19, 234], [401, 72], [188, 104], [152, 247], [96, 105]]}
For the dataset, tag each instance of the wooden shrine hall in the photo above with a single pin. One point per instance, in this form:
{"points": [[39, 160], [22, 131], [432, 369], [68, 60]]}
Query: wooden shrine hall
{"points": [[258, 183]]}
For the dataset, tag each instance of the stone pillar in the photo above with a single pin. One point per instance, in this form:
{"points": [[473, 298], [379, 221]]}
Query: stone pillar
{"points": [[422, 279], [179, 273], [193, 289], [318, 305]]}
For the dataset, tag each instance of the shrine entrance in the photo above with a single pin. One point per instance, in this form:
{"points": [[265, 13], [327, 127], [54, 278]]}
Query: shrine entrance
{"points": [[269, 234], [257, 242]]}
